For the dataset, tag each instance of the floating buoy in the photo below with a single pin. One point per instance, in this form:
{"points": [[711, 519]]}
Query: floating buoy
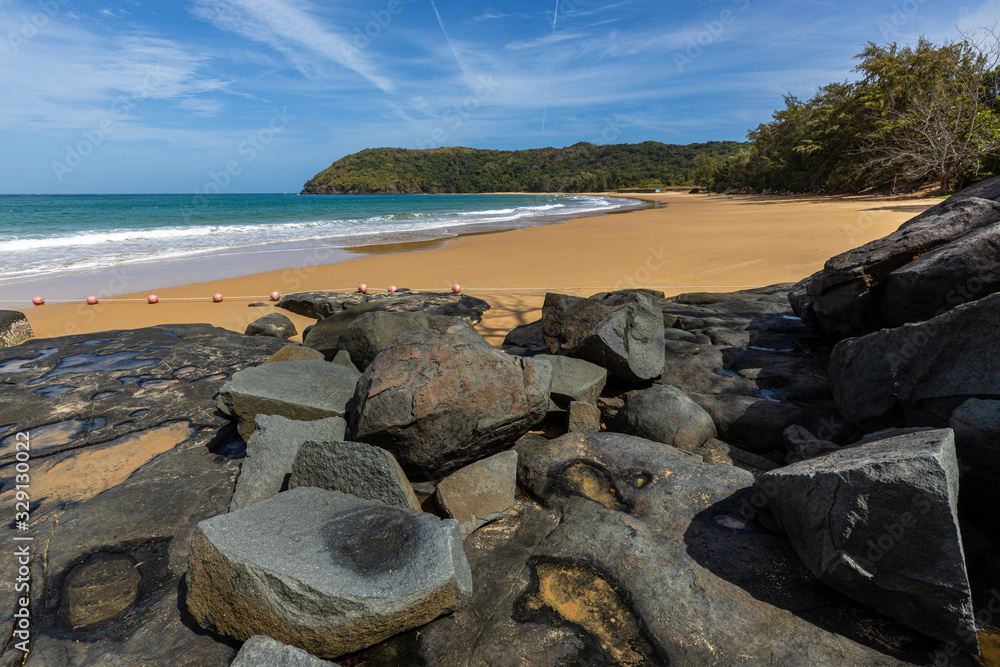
{"points": [[456, 288], [92, 300], [38, 301], [152, 298], [363, 288], [392, 288], [217, 297], [275, 296]]}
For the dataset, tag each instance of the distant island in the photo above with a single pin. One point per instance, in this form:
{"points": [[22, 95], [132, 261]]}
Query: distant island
{"points": [[582, 167]]}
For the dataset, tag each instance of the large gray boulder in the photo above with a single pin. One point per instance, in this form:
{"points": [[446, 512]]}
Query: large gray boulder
{"points": [[299, 390], [630, 552], [622, 332], [573, 380], [274, 325], [917, 374], [324, 336], [879, 523], [845, 298], [261, 651], [361, 470], [271, 452], [666, 414], [14, 328], [441, 398], [977, 439], [323, 571], [371, 332]]}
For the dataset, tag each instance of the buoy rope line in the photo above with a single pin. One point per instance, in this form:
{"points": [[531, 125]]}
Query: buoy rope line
{"points": [[218, 297]]}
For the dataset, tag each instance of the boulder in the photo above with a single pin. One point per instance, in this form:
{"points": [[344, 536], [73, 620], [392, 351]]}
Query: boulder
{"points": [[583, 418], [623, 332], [666, 414], [274, 325], [845, 298], [295, 353], [299, 390], [343, 358], [354, 468], [527, 336], [371, 332], [962, 271], [323, 571], [261, 651], [325, 334], [14, 328], [879, 523], [976, 424], [320, 304], [630, 552], [271, 451], [573, 380], [480, 492], [128, 455], [441, 398], [916, 375]]}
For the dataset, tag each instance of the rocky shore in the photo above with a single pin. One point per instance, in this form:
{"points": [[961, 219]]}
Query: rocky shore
{"points": [[802, 474]]}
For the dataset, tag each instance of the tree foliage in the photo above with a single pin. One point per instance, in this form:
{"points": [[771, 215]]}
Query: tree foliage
{"points": [[583, 167]]}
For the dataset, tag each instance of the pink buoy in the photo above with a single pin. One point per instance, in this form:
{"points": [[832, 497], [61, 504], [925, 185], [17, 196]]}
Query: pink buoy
{"points": [[217, 297], [38, 301], [392, 288], [363, 288], [152, 298], [456, 288], [275, 296], [92, 300]]}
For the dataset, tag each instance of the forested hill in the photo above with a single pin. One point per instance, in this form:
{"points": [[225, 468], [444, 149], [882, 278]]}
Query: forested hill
{"points": [[583, 167]]}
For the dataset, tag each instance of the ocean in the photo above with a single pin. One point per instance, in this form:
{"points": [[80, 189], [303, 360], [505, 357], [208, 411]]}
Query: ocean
{"points": [[58, 235]]}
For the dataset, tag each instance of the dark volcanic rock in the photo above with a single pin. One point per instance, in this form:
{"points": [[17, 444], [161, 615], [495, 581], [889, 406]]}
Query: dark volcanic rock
{"points": [[666, 414], [122, 430], [320, 305], [275, 325], [916, 375], [442, 398], [261, 651], [480, 492], [879, 522], [325, 334], [573, 380], [14, 328], [845, 298], [622, 332], [324, 571], [976, 424], [370, 333], [641, 555]]}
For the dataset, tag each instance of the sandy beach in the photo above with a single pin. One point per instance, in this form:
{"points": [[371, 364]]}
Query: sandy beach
{"points": [[692, 243]]}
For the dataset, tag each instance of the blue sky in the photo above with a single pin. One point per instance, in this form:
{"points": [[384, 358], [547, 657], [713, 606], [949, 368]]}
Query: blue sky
{"points": [[258, 95]]}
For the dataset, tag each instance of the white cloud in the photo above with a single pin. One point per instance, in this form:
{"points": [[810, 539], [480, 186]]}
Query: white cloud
{"points": [[290, 30]]}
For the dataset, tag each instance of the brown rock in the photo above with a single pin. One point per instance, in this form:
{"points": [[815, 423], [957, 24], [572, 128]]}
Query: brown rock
{"points": [[481, 492], [583, 418], [295, 353]]}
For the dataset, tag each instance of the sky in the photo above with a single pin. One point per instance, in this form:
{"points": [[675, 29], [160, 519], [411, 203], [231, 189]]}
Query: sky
{"points": [[129, 96]]}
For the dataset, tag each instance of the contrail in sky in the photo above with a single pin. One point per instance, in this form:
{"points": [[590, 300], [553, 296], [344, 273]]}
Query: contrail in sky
{"points": [[458, 58], [545, 111]]}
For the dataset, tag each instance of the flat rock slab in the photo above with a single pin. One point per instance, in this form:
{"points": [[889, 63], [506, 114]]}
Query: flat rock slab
{"points": [[574, 380], [271, 454], [299, 390], [480, 492], [261, 651], [354, 468], [879, 522], [295, 353], [324, 571], [630, 552], [321, 304], [128, 454], [14, 328], [441, 398], [583, 418], [622, 332]]}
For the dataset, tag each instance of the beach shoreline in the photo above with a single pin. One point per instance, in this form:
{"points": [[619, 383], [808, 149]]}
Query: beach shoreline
{"points": [[696, 243]]}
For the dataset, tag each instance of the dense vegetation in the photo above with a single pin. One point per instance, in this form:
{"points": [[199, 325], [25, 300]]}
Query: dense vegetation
{"points": [[922, 114], [583, 167]]}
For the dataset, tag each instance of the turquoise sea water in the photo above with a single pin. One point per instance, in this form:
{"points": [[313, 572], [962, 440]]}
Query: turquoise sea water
{"points": [[43, 235]]}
